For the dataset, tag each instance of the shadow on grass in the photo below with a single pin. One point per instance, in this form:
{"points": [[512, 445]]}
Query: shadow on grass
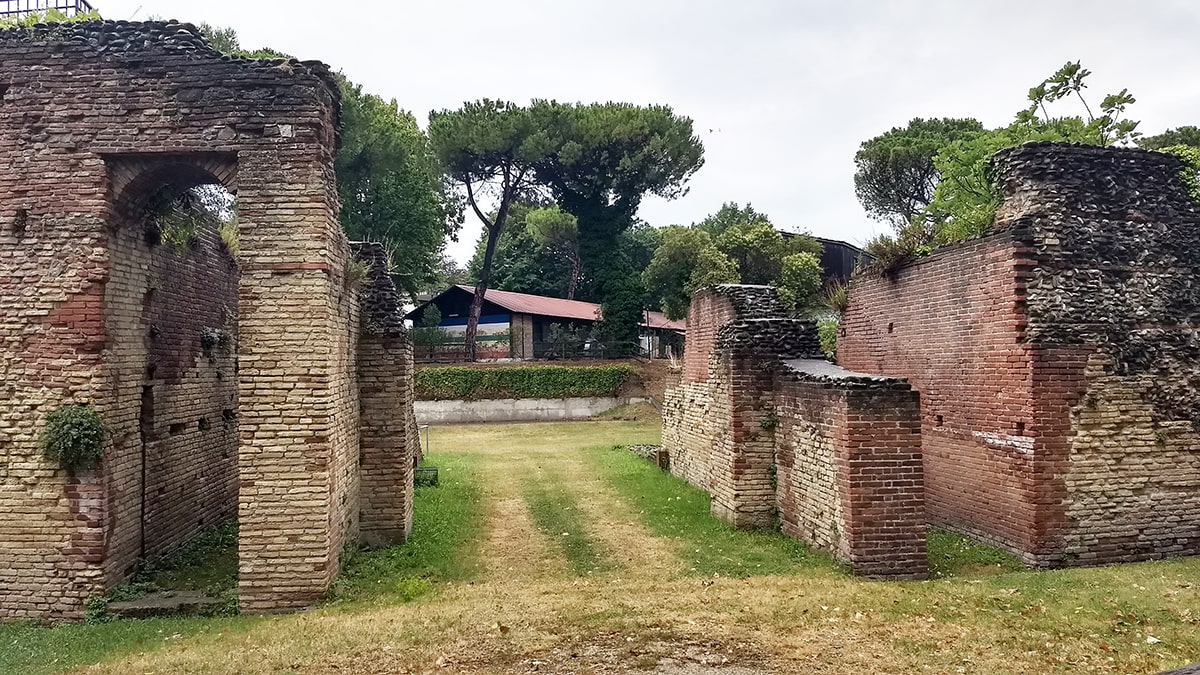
{"points": [[953, 555], [31, 649]]}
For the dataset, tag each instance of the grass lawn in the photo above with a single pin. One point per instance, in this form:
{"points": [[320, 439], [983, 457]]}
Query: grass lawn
{"points": [[546, 550]]}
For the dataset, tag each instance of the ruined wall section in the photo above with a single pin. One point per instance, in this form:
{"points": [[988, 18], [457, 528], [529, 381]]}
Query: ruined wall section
{"points": [[771, 431], [69, 114], [714, 424], [953, 325], [849, 474], [388, 438], [1057, 359], [1113, 310], [171, 313]]}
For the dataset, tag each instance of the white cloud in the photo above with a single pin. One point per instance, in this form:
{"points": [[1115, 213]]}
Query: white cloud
{"points": [[789, 88]]}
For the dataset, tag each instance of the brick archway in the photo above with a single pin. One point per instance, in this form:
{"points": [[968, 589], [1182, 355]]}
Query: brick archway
{"points": [[96, 116]]}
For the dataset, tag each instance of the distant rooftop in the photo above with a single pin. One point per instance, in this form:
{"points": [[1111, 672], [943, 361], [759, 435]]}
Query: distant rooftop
{"points": [[15, 9]]}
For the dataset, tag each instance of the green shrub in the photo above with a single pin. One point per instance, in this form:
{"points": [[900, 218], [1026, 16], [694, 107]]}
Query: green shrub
{"points": [[463, 383], [74, 436], [827, 330], [1191, 167]]}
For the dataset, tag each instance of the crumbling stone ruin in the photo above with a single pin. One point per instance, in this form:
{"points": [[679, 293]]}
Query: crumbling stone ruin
{"points": [[1057, 364], [1057, 360], [773, 431], [274, 384]]}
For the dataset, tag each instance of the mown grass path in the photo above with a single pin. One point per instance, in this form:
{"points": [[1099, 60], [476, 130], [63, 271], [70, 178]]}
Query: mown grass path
{"points": [[544, 550]]}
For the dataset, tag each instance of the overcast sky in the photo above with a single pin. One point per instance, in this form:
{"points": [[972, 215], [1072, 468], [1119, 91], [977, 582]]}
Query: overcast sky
{"points": [[781, 92]]}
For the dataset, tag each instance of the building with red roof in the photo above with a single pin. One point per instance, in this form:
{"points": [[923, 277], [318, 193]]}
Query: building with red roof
{"points": [[523, 326]]}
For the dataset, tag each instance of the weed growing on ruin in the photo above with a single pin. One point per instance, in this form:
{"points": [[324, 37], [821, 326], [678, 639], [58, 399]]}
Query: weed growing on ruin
{"points": [[208, 563], [50, 16], [443, 546], [1190, 175], [669, 507], [356, 271], [827, 332], [836, 296], [557, 516], [229, 237], [73, 436]]}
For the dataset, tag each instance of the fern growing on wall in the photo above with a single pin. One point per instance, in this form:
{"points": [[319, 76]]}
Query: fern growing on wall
{"points": [[74, 436]]}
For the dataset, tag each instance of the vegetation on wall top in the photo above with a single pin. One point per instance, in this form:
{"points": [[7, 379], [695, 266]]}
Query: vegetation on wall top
{"points": [[48, 16], [933, 180], [454, 383]]}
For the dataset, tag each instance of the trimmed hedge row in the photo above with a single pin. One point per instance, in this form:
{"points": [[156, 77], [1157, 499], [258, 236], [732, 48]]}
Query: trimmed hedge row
{"points": [[457, 383]]}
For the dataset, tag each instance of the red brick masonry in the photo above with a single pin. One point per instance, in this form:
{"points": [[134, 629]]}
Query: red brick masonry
{"points": [[779, 436]]}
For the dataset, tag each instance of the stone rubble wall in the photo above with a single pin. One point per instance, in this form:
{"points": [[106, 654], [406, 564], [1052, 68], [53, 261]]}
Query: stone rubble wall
{"points": [[1066, 343], [833, 461], [1113, 307]]}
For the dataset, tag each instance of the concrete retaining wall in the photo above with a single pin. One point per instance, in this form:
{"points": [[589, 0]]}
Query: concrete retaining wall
{"points": [[516, 410]]}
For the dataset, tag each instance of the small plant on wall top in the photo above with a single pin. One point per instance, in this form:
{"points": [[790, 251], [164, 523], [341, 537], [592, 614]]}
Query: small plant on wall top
{"points": [[73, 437]]}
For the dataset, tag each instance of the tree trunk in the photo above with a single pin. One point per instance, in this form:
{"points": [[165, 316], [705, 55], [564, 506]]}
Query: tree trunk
{"points": [[481, 285], [575, 269]]}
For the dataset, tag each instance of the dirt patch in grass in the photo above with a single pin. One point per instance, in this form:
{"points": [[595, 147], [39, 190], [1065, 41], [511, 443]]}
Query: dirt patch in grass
{"points": [[633, 412]]}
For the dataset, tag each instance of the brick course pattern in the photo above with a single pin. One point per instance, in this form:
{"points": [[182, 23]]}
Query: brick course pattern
{"points": [[1057, 360], [265, 422], [778, 436]]}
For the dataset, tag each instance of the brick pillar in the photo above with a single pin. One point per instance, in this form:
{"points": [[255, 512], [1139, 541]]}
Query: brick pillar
{"points": [[291, 390], [880, 477], [385, 396], [743, 488]]}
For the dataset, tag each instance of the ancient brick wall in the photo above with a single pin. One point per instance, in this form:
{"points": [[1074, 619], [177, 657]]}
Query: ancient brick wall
{"points": [[953, 325], [849, 473], [1083, 310], [388, 438], [773, 432], [171, 317], [94, 118]]}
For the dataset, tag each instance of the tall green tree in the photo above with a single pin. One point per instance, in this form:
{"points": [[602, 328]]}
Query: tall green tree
{"points": [[521, 263], [558, 232], [728, 216], [390, 183], [966, 196], [602, 160], [895, 175], [392, 187], [1187, 135], [965, 201], [758, 250], [491, 149], [733, 245], [686, 261]]}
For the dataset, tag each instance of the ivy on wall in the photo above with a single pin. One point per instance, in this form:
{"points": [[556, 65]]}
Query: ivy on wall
{"points": [[454, 383]]}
